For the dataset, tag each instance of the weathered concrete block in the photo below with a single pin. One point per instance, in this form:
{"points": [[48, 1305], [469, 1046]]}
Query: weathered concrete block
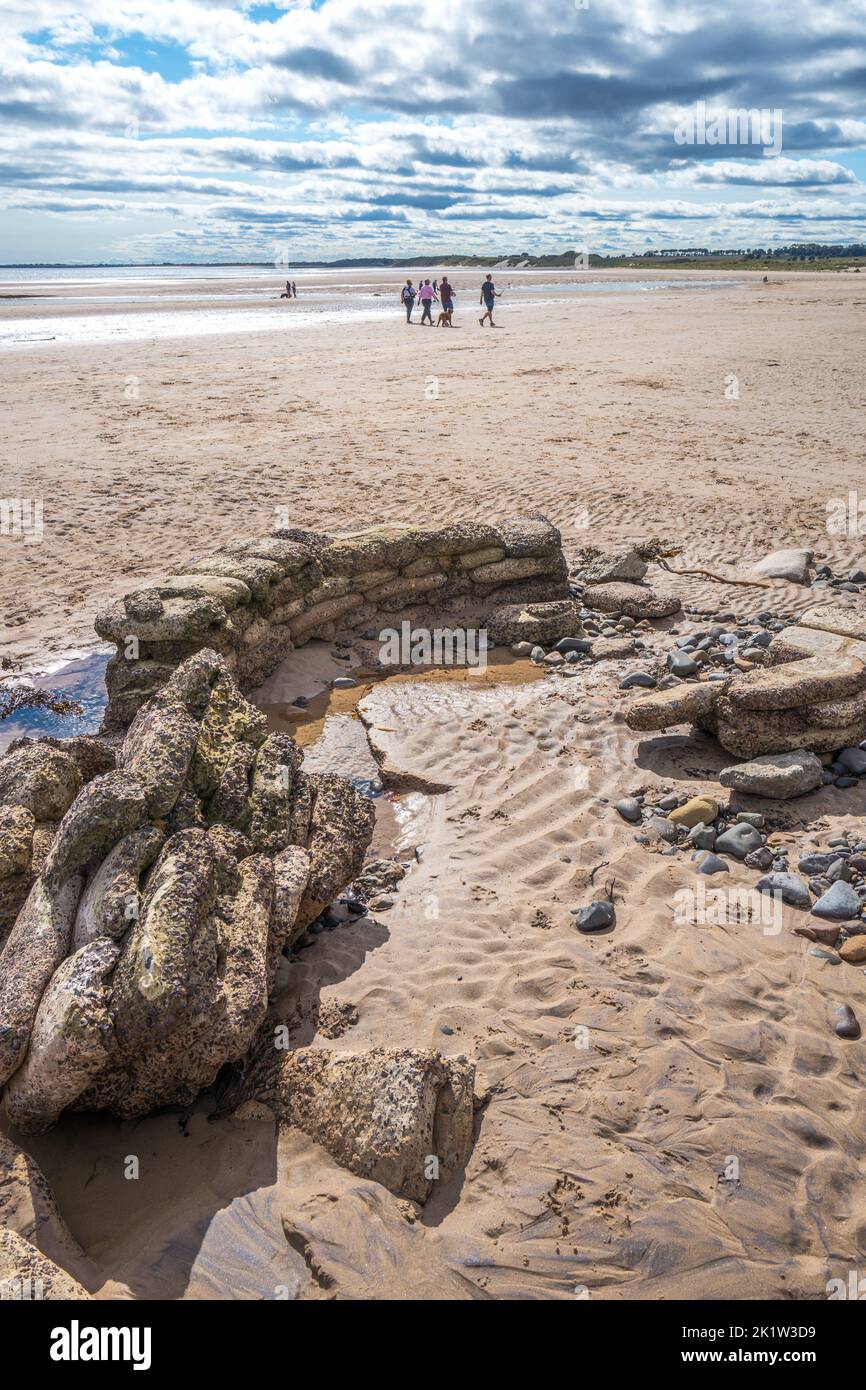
{"points": [[635, 600], [383, 1114], [811, 681], [42, 779], [777, 775], [506, 571], [682, 704]]}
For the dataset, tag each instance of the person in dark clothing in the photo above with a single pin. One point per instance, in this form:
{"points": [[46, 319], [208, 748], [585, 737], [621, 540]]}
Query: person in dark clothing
{"points": [[489, 295], [407, 296], [446, 294]]}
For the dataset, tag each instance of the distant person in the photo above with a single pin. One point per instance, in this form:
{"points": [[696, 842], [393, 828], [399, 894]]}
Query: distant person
{"points": [[407, 295], [446, 295], [287, 292], [294, 290], [489, 295], [435, 288], [427, 294]]}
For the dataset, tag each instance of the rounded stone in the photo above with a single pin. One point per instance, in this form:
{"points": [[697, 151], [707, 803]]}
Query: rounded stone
{"points": [[596, 917], [739, 840], [839, 903], [846, 1022], [697, 810]]}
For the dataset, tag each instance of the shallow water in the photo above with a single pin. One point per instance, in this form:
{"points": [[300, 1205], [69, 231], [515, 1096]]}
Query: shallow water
{"points": [[80, 678], [256, 308], [327, 727]]}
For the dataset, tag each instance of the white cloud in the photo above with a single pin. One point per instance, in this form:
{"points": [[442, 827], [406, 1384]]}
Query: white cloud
{"points": [[398, 125]]}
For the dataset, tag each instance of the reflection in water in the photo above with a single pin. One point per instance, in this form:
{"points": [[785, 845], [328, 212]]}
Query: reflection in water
{"points": [[81, 681]]}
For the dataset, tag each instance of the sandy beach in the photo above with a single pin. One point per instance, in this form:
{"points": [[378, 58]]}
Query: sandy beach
{"points": [[617, 1074], [606, 411]]}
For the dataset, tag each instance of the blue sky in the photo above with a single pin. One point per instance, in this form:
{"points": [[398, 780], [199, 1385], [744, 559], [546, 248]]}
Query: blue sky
{"points": [[194, 129]]}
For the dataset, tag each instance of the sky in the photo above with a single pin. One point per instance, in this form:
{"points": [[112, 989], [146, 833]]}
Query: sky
{"points": [[194, 130]]}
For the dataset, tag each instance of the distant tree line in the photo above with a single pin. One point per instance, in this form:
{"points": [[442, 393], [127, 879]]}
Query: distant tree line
{"points": [[797, 251]]}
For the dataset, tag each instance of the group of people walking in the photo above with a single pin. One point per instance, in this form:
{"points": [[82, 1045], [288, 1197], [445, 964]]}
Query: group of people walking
{"points": [[429, 293]]}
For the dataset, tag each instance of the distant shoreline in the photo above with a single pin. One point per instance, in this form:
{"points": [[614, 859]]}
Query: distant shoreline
{"points": [[795, 257]]}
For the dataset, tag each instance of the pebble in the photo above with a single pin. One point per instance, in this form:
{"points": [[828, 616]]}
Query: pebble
{"points": [[838, 870], [522, 649], [853, 760], [816, 863], [696, 810], [681, 664], [343, 683], [788, 887], [739, 840], [750, 818], [664, 829], [595, 917], [629, 809], [641, 678], [825, 955], [838, 903], [572, 644], [712, 864], [846, 1022], [827, 936], [759, 859], [702, 836], [537, 655]]}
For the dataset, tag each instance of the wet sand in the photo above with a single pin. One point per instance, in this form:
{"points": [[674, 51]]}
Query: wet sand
{"points": [[617, 1074], [607, 412]]}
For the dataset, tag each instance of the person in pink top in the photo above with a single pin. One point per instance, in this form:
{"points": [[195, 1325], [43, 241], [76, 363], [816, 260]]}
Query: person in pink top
{"points": [[427, 295]]}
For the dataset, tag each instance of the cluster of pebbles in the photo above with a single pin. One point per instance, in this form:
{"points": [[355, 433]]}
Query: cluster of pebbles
{"points": [[594, 636], [372, 891], [852, 583], [830, 884], [713, 652], [696, 679]]}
